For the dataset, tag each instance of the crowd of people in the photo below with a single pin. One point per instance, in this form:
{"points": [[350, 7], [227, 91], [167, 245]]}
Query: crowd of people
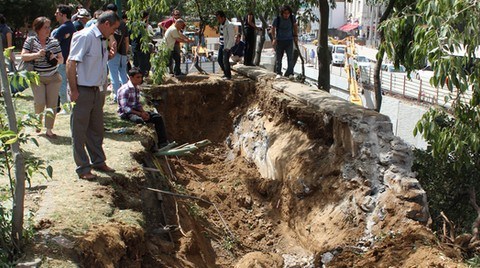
{"points": [[74, 60]]}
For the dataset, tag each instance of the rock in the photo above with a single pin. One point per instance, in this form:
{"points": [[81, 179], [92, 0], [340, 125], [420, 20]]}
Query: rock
{"points": [[327, 257], [260, 260], [62, 241], [36, 263], [245, 201], [368, 204]]}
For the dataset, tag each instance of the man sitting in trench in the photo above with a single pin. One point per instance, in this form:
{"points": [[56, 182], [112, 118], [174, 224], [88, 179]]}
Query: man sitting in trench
{"points": [[130, 108]]}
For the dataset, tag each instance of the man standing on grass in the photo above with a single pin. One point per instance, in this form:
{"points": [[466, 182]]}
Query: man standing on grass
{"points": [[86, 72]]}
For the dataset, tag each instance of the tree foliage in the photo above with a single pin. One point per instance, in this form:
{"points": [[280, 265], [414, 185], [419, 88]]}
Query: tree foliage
{"points": [[21, 13], [446, 33]]}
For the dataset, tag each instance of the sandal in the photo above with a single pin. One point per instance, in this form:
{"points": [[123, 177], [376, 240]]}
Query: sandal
{"points": [[87, 176], [51, 136]]}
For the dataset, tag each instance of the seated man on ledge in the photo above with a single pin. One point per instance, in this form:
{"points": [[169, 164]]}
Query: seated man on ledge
{"points": [[238, 50], [130, 108]]}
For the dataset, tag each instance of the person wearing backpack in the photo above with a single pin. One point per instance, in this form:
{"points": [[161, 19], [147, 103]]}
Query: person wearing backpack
{"points": [[284, 32]]}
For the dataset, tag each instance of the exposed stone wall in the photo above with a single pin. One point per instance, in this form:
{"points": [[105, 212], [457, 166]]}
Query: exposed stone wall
{"points": [[361, 142]]}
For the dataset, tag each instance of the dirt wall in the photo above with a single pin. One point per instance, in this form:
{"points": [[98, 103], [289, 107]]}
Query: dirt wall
{"points": [[332, 176]]}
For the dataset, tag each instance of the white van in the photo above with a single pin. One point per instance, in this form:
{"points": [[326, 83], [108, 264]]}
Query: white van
{"points": [[338, 54]]}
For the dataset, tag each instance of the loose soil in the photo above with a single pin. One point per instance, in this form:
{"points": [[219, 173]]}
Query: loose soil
{"points": [[237, 218]]}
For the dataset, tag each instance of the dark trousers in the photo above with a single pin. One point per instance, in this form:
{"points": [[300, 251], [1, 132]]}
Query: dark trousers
{"points": [[175, 57], [224, 61], [86, 123], [155, 119], [250, 38], [141, 60], [284, 46]]}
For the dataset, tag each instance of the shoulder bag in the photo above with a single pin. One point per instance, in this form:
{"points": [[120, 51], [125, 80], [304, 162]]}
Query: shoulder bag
{"points": [[26, 65]]}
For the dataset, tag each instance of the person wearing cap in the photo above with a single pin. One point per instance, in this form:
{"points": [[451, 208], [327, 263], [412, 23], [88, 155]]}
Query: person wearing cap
{"points": [[83, 16]]}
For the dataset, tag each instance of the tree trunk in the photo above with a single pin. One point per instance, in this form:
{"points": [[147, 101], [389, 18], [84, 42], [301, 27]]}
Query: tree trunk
{"points": [[199, 44], [19, 161], [258, 52], [324, 56], [201, 30], [476, 222], [377, 84]]}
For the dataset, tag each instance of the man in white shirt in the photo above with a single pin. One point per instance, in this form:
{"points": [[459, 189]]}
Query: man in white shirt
{"points": [[172, 35], [227, 41], [86, 72]]}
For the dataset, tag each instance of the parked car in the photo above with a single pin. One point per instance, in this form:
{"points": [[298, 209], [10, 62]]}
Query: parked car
{"points": [[362, 61], [338, 54], [389, 67]]}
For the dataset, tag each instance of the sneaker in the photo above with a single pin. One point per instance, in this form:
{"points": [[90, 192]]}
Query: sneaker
{"points": [[180, 74], [278, 76], [226, 78], [291, 77]]}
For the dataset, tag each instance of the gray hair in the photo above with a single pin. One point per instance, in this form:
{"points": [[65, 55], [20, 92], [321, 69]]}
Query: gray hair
{"points": [[109, 16]]}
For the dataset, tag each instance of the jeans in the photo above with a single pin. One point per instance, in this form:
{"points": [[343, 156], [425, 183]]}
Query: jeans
{"points": [[281, 47], [224, 61], [62, 94], [118, 72]]}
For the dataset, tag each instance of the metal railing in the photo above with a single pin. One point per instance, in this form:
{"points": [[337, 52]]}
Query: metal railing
{"points": [[207, 66], [412, 88]]}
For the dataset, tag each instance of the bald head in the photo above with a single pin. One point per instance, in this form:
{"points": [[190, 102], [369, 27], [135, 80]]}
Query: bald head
{"points": [[179, 24]]}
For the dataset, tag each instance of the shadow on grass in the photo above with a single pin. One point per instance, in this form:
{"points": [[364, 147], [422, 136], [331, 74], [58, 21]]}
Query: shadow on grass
{"points": [[119, 129], [59, 140]]}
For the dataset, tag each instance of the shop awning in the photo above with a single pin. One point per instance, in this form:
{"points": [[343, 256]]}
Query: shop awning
{"points": [[348, 27]]}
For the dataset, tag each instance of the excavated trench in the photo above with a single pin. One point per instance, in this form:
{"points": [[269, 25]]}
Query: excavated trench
{"points": [[299, 178]]}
